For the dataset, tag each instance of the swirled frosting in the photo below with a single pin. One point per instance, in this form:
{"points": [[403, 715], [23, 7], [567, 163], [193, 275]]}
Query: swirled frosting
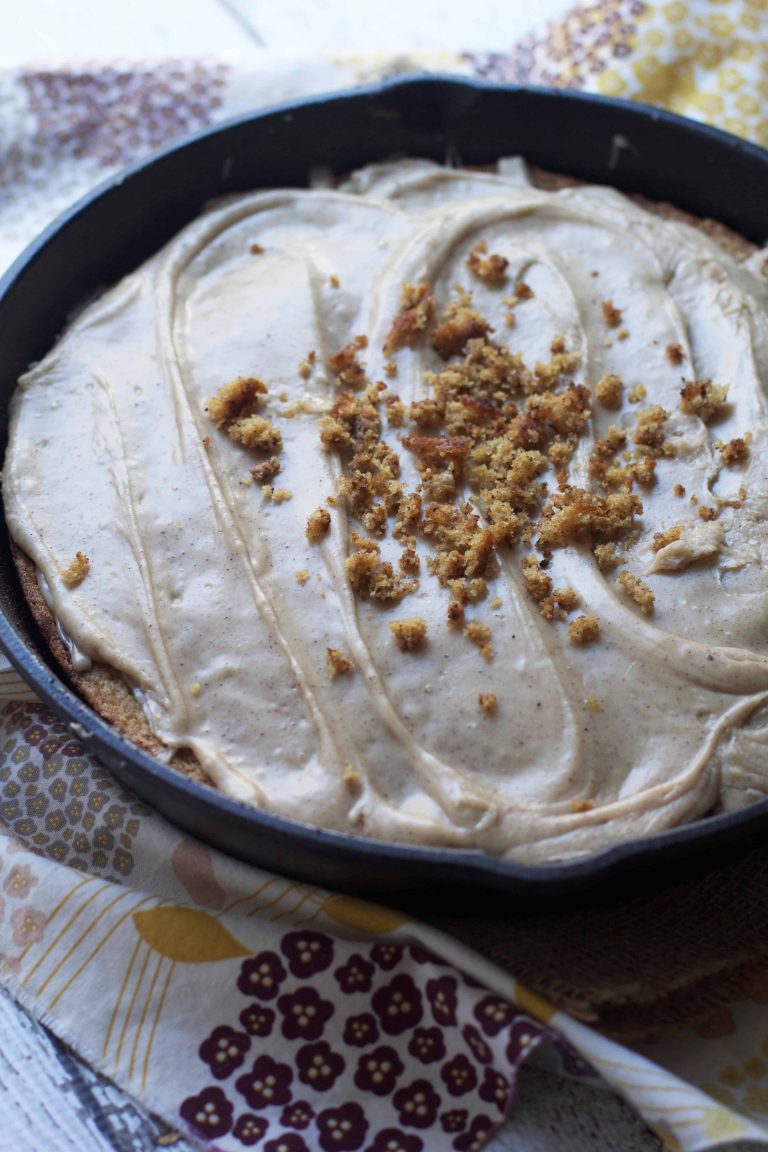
{"points": [[191, 590]]}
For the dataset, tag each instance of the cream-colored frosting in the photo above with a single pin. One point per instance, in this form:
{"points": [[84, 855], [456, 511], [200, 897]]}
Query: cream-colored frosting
{"points": [[192, 591]]}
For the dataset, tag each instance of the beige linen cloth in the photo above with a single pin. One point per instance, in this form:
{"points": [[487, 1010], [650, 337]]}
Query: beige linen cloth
{"points": [[250, 1011]]}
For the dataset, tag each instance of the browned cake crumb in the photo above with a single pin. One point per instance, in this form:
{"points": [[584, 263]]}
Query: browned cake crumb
{"points": [[611, 315], [557, 345], [702, 398], [305, 369], [455, 612], [427, 413], [77, 571], [281, 495], [481, 635], [661, 539], [643, 471], [637, 590], [538, 584], [582, 805], [196, 689], [496, 602], [390, 368], [437, 450], [409, 633], [256, 249], [346, 366], [334, 281], [606, 557], [370, 577], [637, 394], [674, 353], [734, 451], [706, 513], [238, 398], [593, 704], [302, 576], [318, 524], [409, 562], [622, 334], [523, 291], [575, 512], [679, 490], [207, 442], [255, 432], [417, 307], [338, 663], [492, 269], [649, 428], [584, 630], [461, 325], [265, 471], [566, 598], [353, 780], [395, 411], [608, 391], [488, 702]]}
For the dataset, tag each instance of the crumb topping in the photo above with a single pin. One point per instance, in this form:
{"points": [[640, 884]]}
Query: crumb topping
{"points": [[637, 590], [410, 633], [487, 702], [609, 390], [702, 398], [584, 630], [480, 634], [492, 269], [338, 663], [611, 314], [318, 525], [417, 307], [674, 353], [372, 578], [661, 539], [238, 398], [346, 365], [265, 471], [77, 571], [734, 451]]}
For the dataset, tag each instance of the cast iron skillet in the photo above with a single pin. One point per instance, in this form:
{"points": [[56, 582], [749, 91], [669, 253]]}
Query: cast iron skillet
{"points": [[115, 228]]}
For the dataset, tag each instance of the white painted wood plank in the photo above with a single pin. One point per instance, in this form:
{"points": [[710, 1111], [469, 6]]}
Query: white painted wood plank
{"points": [[51, 1102], [76, 30]]}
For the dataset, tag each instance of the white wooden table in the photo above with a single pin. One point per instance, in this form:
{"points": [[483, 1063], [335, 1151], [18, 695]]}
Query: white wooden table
{"points": [[49, 1100]]}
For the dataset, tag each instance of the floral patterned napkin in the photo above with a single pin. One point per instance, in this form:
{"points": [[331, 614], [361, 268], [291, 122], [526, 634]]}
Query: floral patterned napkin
{"points": [[247, 1010]]}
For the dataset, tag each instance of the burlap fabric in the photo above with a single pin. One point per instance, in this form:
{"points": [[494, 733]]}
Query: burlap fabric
{"points": [[656, 961]]}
